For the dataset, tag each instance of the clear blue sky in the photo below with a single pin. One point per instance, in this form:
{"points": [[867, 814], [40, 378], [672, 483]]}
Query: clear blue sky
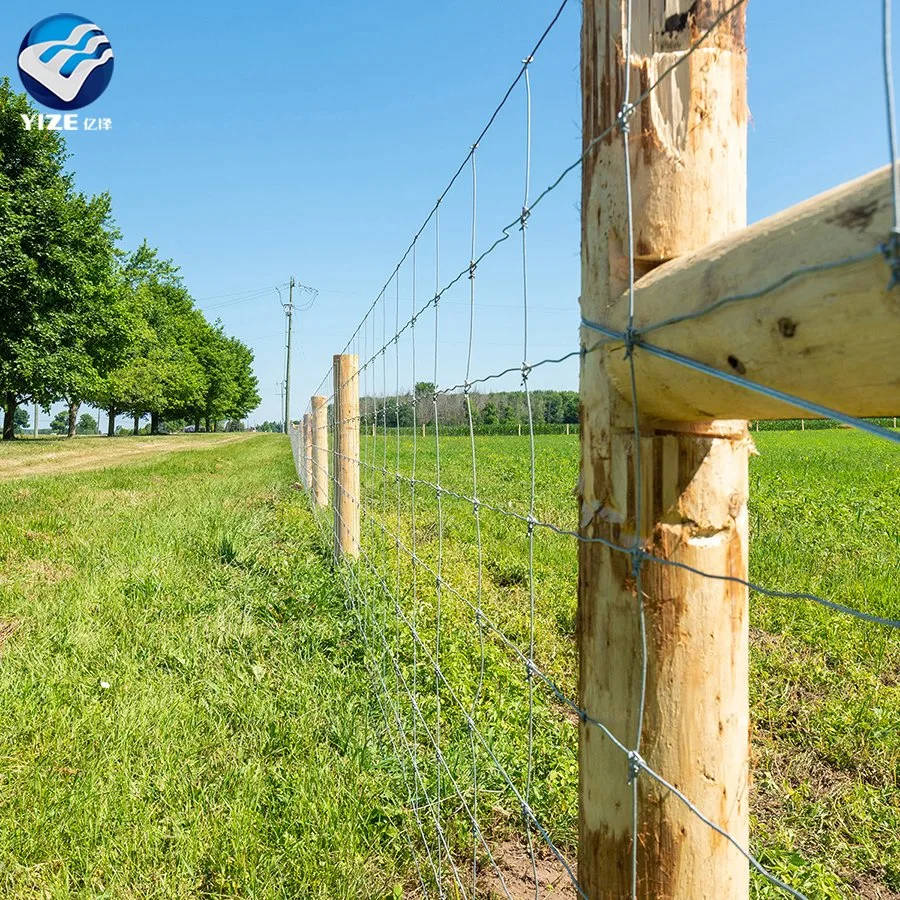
{"points": [[312, 140]]}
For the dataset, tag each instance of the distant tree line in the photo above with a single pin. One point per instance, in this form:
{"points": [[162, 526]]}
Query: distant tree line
{"points": [[82, 321], [488, 409]]}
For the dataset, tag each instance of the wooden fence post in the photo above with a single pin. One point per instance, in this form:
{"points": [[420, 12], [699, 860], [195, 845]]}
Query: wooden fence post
{"points": [[308, 443], [292, 434], [304, 456], [320, 450], [687, 143], [346, 456], [297, 435]]}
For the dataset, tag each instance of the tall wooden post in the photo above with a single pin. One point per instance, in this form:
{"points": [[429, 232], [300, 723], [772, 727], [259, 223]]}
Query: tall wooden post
{"points": [[688, 174], [302, 436], [308, 443], [320, 451], [346, 456]]}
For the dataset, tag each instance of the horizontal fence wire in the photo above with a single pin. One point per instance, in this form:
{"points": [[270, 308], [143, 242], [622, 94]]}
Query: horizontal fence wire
{"points": [[476, 707]]}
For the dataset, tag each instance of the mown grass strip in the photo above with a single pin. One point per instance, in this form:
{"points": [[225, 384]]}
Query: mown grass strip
{"points": [[183, 712]]}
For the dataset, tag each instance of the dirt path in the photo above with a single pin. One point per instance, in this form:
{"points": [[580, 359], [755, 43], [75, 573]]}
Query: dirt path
{"points": [[26, 459]]}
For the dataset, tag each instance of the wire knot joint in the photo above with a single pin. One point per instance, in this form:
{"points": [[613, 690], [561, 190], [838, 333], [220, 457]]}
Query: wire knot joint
{"points": [[637, 560], [624, 117], [630, 339], [635, 764]]}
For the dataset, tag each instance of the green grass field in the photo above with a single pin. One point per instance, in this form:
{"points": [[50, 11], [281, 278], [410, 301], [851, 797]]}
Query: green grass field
{"points": [[825, 702], [234, 752], [239, 749]]}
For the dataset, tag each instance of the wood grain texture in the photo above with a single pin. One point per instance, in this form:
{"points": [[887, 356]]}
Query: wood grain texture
{"points": [[795, 338], [687, 144], [346, 456], [320, 450]]}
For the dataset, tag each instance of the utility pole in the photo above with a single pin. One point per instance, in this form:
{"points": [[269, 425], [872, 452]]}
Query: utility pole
{"points": [[289, 310], [280, 386]]}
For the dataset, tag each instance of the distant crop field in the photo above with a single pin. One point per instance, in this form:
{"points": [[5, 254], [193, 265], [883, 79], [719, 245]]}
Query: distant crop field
{"points": [[824, 688]]}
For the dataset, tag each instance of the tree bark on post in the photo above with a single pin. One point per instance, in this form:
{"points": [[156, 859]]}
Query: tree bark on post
{"points": [[346, 456], [688, 174], [320, 450]]}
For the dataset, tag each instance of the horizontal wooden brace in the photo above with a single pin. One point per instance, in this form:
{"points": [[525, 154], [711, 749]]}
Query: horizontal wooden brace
{"points": [[802, 302]]}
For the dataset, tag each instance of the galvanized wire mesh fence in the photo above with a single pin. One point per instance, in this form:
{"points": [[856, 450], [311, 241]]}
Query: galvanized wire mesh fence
{"points": [[460, 553]]}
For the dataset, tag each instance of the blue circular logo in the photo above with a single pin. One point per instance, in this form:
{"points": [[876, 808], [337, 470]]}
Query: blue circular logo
{"points": [[65, 62]]}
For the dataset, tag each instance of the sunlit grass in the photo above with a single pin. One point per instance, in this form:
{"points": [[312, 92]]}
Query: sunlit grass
{"points": [[824, 694], [182, 713]]}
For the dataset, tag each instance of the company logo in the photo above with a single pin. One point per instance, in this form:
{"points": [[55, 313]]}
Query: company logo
{"points": [[65, 62]]}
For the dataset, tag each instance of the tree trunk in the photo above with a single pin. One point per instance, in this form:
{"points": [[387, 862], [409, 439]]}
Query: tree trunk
{"points": [[9, 428], [197, 424], [111, 428], [207, 423], [137, 422], [154, 423], [73, 418]]}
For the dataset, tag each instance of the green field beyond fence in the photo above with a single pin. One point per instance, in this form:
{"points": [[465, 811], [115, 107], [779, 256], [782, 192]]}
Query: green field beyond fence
{"points": [[187, 713], [825, 704]]}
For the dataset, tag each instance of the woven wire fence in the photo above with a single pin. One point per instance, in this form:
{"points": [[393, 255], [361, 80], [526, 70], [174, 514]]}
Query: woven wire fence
{"points": [[464, 556]]}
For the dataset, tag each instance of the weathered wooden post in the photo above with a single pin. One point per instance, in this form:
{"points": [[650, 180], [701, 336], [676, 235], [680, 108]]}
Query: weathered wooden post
{"points": [[688, 174], [320, 450], [346, 456], [301, 449], [308, 435]]}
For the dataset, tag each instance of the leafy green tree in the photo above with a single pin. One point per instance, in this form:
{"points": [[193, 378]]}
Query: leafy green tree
{"points": [[58, 299], [21, 420], [489, 414], [87, 424], [161, 374], [33, 270], [230, 387], [60, 423]]}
